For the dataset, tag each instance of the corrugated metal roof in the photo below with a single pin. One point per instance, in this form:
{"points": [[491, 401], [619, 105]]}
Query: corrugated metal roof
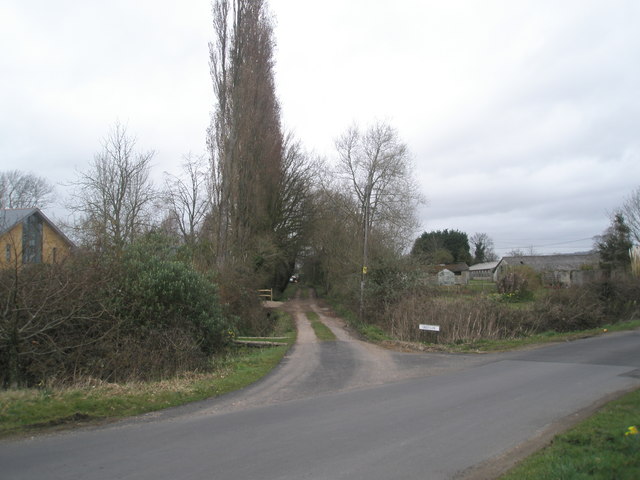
{"points": [[483, 266]]}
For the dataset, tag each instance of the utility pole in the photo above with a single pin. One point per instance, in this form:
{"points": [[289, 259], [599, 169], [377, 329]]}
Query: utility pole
{"points": [[365, 246]]}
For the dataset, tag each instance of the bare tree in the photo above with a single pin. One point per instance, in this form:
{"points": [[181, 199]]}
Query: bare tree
{"points": [[333, 257], [483, 248], [114, 197], [189, 196], [631, 211], [529, 251], [376, 166], [24, 190], [45, 310]]}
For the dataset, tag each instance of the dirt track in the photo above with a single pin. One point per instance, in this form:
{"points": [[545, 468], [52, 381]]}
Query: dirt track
{"points": [[314, 368]]}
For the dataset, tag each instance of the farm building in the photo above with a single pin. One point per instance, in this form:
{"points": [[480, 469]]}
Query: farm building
{"points": [[562, 269], [483, 271]]}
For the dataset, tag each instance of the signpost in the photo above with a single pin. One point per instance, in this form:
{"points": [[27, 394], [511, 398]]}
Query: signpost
{"points": [[431, 328]]}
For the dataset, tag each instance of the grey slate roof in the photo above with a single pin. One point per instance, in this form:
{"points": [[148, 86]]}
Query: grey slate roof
{"points": [[10, 217], [563, 262]]}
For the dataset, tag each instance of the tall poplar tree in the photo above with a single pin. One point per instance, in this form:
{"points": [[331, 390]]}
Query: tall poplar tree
{"points": [[245, 137]]}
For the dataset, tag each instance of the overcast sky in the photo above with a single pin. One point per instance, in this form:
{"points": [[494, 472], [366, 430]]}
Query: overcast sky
{"points": [[523, 117]]}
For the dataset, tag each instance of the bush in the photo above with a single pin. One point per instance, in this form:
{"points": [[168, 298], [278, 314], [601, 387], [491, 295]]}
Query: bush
{"points": [[620, 297], [468, 319], [568, 309], [460, 319], [47, 311], [594, 305], [158, 294], [143, 316], [518, 284], [241, 302]]}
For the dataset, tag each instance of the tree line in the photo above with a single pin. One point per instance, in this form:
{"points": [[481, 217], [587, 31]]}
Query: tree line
{"points": [[165, 276]]}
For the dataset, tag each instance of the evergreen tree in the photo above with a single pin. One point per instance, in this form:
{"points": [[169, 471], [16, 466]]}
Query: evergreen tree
{"points": [[431, 247], [614, 245]]}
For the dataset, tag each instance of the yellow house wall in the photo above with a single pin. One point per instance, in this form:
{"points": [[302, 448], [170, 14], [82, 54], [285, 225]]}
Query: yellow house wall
{"points": [[51, 240], [13, 239]]}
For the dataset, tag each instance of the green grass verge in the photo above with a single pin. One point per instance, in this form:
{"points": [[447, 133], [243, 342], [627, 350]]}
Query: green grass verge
{"points": [[597, 448], [537, 339], [371, 333], [289, 292], [27, 411], [323, 333]]}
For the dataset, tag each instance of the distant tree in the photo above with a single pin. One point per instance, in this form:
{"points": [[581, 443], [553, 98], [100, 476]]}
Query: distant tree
{"points": [[333, 257], [374, 166], [482, 248], [631, 211], [115, 196], [443, 256], [427, 245], [24, 190], [295, 210], [520, 252], [188, 196], [614, 245]]}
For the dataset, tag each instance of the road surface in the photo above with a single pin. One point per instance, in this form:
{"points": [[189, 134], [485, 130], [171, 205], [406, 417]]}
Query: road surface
{"points": [[349, 410]]}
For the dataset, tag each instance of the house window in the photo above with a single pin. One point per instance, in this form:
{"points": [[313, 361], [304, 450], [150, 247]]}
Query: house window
{"points": [[54, 254], [7, 252], [32, 240]]}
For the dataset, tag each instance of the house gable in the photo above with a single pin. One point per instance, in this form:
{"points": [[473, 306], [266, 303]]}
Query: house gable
{"points": [[28, 236]]}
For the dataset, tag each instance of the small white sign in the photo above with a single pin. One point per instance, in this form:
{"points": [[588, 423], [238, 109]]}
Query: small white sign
{"points": [[431, 328]]}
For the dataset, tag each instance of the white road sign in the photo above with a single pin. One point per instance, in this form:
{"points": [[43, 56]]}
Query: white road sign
{"points": [[431, 328]]}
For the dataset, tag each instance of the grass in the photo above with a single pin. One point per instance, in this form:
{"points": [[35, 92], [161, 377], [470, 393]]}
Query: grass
{"points": [[323, 333], [290, 292], [482, 286], [536, 339], [32, 410], [373, 333], [596, 449]]}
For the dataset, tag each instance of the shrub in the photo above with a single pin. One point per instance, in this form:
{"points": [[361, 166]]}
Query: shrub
{"points": [[240, 299], [594, 305], [144, 315], [47, 311], [518, 284], [157, 294], [568, 309], [460, 319]]}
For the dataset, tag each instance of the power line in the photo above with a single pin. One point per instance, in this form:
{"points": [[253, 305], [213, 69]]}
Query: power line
{"points": [[545, 245]]}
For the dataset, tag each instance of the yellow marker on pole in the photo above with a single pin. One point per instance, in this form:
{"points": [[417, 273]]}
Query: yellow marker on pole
{"points": [[364, 270]]}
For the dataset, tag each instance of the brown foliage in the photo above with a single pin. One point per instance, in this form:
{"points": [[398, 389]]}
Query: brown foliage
{"points": [[459, 318]]}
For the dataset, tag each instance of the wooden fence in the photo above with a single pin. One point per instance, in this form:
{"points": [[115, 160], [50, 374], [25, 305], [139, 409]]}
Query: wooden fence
{"points": [[266, 294]]}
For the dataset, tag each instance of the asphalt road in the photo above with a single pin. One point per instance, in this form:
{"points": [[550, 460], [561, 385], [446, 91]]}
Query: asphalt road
{"points": [[445, 416]]}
